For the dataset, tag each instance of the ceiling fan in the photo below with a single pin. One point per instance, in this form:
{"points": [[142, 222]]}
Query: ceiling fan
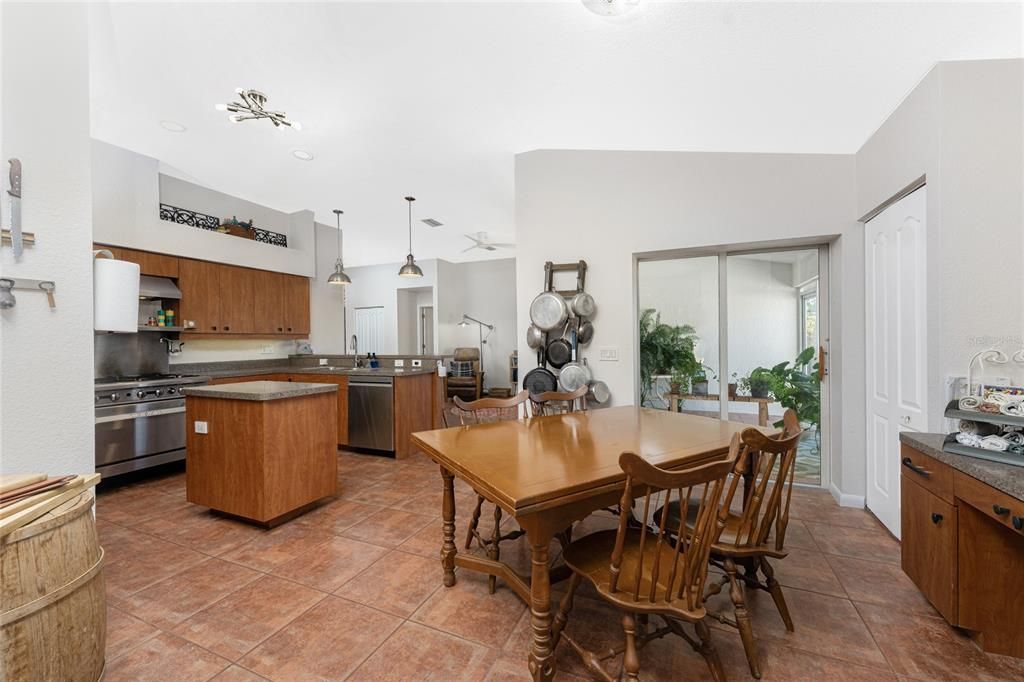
{"points": [[480, 242]]}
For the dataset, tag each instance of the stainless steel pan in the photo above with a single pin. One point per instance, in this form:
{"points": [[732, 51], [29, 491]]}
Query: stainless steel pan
{"points": [[598, 393], [583, 305], [549, 311], [574, 375], [586, 332], [534, 337]]}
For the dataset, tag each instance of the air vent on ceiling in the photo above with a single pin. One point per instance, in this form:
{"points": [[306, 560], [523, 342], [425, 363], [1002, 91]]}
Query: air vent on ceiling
{"points": [[432, 222]]}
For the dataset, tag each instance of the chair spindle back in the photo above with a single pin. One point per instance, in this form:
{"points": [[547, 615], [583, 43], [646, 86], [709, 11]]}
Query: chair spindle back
{"points": [[559, 402], [487, 410]]}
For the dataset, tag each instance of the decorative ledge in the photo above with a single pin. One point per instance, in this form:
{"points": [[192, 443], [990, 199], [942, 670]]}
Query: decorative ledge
{"points": [[184, 216]]}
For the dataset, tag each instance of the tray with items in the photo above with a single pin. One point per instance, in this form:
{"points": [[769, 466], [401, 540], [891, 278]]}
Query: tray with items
{"points": [[989, 427]]}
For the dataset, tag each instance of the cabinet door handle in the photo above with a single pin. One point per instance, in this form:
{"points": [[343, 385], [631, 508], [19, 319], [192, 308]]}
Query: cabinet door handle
{"points": [[1018, 522], [214, 327], [936, 517], [227, 328], [280, 329], [1000, 510], [916, 469]]}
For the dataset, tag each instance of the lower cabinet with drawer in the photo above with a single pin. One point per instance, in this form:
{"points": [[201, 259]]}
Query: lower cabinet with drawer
{"points": [[963, 546]]}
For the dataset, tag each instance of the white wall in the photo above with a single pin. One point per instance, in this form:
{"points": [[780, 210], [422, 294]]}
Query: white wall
{"points": [[46, 417], [604, 207], [962, 129], [126, 203]]}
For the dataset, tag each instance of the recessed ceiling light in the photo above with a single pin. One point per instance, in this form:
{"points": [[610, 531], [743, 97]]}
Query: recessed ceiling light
{"points": [[173, 126], [302, 155], [610, 8]]}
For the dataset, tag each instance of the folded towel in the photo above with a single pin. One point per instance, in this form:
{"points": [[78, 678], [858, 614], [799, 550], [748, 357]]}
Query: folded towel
{"points": [[977, 428], [970, 403], [968, 439], [1014, 437], [1012, 409], [1016, 449], [994, 443], [999, 398], [990, 408]]}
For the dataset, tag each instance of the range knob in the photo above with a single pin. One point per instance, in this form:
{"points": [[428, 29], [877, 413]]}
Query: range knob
{"points": [[140, 394], [156, 392], [171, 390], [114, 396]]}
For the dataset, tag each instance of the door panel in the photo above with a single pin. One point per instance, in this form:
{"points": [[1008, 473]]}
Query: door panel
{"points": [[910, 322], [236, 295], [296, 304], [199, 282]]}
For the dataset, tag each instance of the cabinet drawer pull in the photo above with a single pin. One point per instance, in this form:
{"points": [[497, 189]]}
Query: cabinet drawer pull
{"points": [[1018, 522], [936, 517], [226, 328], [1000, 510], [916, 469]]}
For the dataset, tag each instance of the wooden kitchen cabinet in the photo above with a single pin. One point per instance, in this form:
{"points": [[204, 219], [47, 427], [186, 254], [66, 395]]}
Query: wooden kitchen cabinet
{"points": [[236, 296], [199, 309], [271, 302], [296, 296], [342, 383], [929, 532], [155, 264]]}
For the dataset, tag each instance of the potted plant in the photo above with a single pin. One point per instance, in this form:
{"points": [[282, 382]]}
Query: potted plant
{"points": [[664, 349], [796, 387], [700, 380], [733, 385], [758, 383]]}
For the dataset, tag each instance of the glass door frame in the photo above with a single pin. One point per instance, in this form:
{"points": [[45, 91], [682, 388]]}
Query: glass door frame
{"points": [[824, 324]]}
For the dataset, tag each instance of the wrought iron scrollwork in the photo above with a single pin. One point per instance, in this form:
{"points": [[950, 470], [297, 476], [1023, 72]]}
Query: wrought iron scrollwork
{"points": [[184, 216]]}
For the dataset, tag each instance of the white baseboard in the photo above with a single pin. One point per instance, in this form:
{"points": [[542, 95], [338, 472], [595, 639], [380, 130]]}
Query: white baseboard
{"points": [[845, 499]]}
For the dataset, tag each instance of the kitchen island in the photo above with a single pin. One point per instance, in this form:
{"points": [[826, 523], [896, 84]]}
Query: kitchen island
{"points": [[264, 451]]}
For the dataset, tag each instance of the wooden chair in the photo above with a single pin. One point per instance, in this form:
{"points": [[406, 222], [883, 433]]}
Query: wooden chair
{"points": [[648, 572], [559, 402], [485, 411], [757, 533]]}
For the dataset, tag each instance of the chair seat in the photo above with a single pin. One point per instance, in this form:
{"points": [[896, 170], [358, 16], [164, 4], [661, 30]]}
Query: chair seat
{"points": [[461, 381], [589, 556], [726, 541]]}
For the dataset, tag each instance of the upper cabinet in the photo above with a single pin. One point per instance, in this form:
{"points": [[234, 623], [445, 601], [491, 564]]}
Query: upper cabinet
{"points": [[199, 310], [296, 312], [155, 264]]}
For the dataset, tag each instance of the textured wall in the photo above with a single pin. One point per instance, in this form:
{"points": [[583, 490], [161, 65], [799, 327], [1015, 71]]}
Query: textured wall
{"points": [[46, 411]]}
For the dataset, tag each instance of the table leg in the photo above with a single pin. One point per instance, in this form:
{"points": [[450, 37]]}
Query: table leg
{"points": [[542, 656], [762, 413], [448, 549]]}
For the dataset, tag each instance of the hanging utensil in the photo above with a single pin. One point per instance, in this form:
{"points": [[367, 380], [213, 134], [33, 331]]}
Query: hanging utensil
{"points": [[574, 375], [598, 393], [583, 305], [539, 380], [15, 191], [534, 337], [7, 299], [559, 352], [586, 332], [549, 311]]}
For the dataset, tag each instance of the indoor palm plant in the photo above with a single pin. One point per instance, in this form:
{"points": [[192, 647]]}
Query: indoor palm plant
{"points": [[664, 349]]}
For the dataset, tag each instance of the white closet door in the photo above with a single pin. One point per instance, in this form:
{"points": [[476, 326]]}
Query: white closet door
{"points": [[370, 329], [895, 258]]}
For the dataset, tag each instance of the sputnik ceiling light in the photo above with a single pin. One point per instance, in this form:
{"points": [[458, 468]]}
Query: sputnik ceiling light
{"points": [[251, 109], [339, 276], [410, 269]]}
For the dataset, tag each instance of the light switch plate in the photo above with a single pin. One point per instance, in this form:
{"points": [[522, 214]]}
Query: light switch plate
{"points": [[267, 349], [323, 361], [609, 354], [399, 362], [417, 363], [201, 427]]}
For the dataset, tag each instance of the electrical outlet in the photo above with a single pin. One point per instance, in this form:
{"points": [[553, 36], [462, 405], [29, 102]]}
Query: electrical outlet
{"points": [[202, 427], [323, 361], [417, 363], [399, 362], [267, 349], [609, 354]]}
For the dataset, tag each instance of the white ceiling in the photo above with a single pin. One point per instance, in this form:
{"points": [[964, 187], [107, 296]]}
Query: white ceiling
{"points": [[435, 99]]}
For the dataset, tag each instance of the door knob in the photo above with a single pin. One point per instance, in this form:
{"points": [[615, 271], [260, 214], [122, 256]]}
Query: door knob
{"points": [[936, 517], [906, 419]]}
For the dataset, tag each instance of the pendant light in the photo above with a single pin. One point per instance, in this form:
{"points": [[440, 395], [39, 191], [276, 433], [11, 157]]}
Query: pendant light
{"points": [[339, 276], [410, 269]]}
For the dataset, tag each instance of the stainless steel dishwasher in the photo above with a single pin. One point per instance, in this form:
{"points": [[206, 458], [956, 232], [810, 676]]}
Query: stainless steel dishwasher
{"points": [[371, 412]]}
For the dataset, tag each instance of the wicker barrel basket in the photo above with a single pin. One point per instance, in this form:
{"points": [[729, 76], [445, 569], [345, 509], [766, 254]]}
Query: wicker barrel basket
{"points": [[53, 620]]}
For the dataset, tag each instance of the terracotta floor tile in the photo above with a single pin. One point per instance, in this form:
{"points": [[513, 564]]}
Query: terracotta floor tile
{"points": [[330, 564], [874, 582], [387, 528], [174, 599], [468, 611], [129, 506], [119, 541], [513, 667], [164, 657], [859, 543], [201, 529], [398, 583], [125, 631], [926, 648], [150, 561], [273, 548], [336, 516], [426, 542], [807, 570], [327, 642], [237, 623], [238, 674], [822, 508], [415, 652], [824, 625], [797, 536]]}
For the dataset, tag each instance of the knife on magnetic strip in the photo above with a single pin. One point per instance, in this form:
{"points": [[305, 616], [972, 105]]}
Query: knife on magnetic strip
{"points": [[15, 192]]}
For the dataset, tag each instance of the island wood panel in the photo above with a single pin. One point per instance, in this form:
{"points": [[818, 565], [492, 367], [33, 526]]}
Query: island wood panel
{"points": [[414, 403], [928, 556], [342, 383], [261, 460]]}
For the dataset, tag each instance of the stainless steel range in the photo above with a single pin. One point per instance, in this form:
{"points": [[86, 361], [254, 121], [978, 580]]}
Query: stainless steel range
{"points": [[140, 421]]}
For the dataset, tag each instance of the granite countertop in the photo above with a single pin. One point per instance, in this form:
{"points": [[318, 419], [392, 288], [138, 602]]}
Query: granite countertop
{"points": [[1003, 477], [222, 372], [259, 390]]}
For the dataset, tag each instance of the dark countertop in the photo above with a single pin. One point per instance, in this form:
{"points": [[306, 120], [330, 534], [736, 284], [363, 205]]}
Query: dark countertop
{"points": [[1003, 477], [222, 372], [260, 390]]}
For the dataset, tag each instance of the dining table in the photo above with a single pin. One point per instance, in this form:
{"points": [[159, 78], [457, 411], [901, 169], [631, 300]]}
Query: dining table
{"points": [[551, 471]]}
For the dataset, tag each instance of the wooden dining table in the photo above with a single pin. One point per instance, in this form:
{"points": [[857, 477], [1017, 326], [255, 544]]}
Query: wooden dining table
{"points": [[549, 472]]}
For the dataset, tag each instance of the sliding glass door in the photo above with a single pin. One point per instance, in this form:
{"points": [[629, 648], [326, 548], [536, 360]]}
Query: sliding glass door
{"points": [[737, 335]]}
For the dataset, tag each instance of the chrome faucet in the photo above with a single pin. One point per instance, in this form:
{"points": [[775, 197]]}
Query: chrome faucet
{"points": [[354, 347]]}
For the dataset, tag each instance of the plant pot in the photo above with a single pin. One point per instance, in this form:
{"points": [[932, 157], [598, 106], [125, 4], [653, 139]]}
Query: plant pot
{"points": [[732, 391], [759, 392], [675, 387], [700, 388]]}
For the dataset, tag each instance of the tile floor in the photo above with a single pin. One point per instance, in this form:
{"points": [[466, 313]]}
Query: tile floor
{"points": [[353, 590]]}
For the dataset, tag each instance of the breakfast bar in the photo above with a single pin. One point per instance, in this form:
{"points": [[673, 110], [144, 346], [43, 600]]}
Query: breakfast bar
{"points": [[264, 451]]}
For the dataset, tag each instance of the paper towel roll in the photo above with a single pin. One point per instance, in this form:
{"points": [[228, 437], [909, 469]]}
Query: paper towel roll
{"points": [[115, 295]]}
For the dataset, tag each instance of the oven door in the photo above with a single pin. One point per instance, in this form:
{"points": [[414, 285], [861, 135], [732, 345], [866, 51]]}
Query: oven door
{"points": [[135, 436]]}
